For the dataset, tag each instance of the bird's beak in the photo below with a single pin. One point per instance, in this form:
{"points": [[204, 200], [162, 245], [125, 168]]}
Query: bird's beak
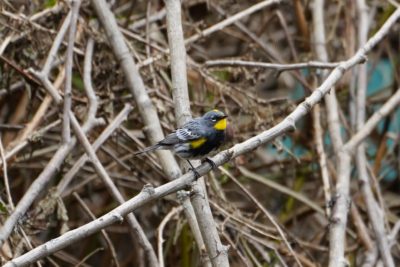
{"points": [[225, 116]]}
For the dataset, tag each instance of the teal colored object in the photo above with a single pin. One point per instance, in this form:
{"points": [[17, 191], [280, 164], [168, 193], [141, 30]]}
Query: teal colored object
{"points": [[381, 79]]}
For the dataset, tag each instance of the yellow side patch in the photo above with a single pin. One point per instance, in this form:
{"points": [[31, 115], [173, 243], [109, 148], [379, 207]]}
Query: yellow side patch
{"points": [[198, 142], [220, 125]]}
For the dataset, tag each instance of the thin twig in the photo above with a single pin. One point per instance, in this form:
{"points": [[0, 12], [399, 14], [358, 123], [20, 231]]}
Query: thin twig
{"points": [[184, 199], [136, 228], [28, 243], [47, 173], [160, 239], [136, 85], [322, 159], [217, 27], [373, 121], [5, 175], [111, 127], [88, 256], [246, 262], [284, 190], [395, 231], [31, 126], [230, 20], [153, 18], [28, 139], [26, 75], [376, 217], [271, 52], [274, 66], [87, 80], [149, 193], [52, 56], [263, 210], [361, 227], [34, 190], [103, 232], [342, 201], [66, 130]]}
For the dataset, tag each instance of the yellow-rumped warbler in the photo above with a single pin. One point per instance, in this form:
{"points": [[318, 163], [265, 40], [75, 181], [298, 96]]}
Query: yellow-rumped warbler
{"points": [[195, 139]]}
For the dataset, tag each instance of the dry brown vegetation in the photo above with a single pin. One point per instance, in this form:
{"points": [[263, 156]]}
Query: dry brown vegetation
{"points": [[285, 203]]}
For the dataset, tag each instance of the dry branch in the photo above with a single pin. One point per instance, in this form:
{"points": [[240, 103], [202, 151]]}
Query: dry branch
{"points": [[374, 213], [135, 85], [66, 133], [342, 188], [205, 223], [149, 193], [277, 67], [251, 51]]}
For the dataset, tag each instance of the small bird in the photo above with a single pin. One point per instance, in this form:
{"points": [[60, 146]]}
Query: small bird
{"points": [[195, 139]]}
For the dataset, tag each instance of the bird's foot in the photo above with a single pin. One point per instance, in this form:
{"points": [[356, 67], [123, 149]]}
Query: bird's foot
{"points": [[193, 169], [209, 161], [196, 174]]}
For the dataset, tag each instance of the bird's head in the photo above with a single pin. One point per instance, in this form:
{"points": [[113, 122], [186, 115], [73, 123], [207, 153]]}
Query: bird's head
{"points": [[216, 119]]}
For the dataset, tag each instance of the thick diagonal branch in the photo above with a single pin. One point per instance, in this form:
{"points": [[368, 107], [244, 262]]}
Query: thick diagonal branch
{"points": [[148, 194], [135, 84]]}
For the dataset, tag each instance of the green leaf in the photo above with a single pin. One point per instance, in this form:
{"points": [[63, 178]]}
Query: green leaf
{"points": [[50, 3], [3, 208], [77, 82]]}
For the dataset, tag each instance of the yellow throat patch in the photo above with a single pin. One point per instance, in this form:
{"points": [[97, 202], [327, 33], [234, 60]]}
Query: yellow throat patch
{"points": [[220, 125], [198, 142]]}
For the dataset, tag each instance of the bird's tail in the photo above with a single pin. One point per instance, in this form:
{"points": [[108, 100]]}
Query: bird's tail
{"points": [[148, 149]]}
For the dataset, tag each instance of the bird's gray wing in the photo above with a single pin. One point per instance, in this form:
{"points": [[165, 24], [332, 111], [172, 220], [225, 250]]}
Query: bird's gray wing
{"points": [[188, 132]]}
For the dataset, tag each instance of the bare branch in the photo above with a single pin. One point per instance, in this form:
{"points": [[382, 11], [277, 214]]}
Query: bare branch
{"points": [[284, 190], [35, 189], [342, 200], [135, 84], [178, 62], [103, 232], [160, 231], [48, 172], [141, 23], [219, 26], [376, 217], [266, 213], [26, 141], [230, 20], [66, 132], [149, 193], [5, 176], [136, 228], [111, 127], [373, 121], [202, 211], [322, 159], [87, 80], [52, 56], [277, 67]]}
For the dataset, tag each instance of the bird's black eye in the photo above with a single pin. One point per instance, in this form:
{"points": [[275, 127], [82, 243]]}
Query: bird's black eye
{"points": [[213, 118]]}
